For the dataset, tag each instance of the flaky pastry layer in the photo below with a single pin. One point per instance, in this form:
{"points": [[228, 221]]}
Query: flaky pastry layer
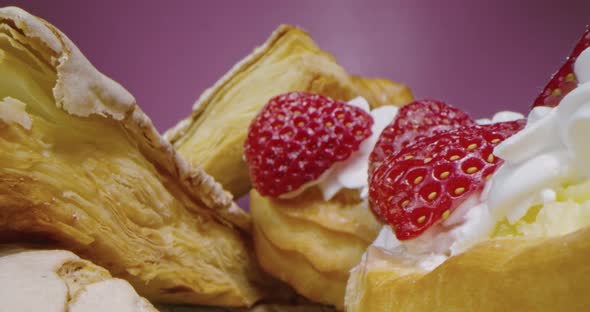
{"points": [[214, 134], [310, 243], [503, 274], [84, 169]]}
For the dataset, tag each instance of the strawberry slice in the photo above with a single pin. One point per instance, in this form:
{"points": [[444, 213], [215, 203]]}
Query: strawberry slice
{"points": [[298, 136], [424, 183], [416, 120], [564, 80]]}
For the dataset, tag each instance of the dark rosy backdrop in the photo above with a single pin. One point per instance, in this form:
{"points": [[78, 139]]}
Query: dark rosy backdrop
{"points": [[482, 56]]}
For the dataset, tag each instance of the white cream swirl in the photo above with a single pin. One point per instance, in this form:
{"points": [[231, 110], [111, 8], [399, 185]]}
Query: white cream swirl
{"points": [[352, 173], [553, 149], [467, 225], [501, 117]]}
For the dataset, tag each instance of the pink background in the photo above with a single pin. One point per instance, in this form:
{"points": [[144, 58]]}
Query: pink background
{"points": [[480, 57]]}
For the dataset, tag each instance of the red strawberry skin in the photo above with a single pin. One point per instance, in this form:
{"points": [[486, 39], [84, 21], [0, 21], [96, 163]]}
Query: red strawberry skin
{"points": [[426, 181], [564, 81], [298, 136], [416, 120]]}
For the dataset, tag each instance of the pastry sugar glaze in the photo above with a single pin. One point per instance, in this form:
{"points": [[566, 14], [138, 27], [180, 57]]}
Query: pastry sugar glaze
{"points": [[542, 189]]}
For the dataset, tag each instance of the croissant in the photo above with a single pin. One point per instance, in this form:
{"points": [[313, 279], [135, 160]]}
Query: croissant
{"points": [[213, 135], [84, 169]]}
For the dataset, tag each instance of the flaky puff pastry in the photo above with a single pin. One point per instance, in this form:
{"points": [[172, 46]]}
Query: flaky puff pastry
{"points": [[83, 168], [310, 243], [58, 280], [504, 274], [214, 134]]}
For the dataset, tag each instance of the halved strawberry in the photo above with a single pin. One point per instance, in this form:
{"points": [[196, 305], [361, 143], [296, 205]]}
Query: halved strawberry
{"points": [[564, 80], [297, 136], [416, 120], [422, 185]]}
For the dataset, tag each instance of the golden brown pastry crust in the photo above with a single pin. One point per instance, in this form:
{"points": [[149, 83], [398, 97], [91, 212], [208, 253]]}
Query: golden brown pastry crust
{"points": [[81, 90], [213, 135], [510, 274], [379, 92], [296, 270], [310, 243], [317, 242], [84, 169]]}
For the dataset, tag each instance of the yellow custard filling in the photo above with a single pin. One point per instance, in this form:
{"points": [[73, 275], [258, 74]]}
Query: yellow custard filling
{"points": [[568, 213]]}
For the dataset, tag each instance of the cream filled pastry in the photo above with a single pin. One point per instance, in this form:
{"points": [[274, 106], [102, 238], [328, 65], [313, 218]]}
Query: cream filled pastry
{"points": [[308, 161], [548, 157], [322, 215], [477, 212]]}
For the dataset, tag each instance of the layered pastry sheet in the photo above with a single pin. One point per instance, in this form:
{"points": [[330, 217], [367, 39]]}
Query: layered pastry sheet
{"points": [[213, 135], [83, 168]]}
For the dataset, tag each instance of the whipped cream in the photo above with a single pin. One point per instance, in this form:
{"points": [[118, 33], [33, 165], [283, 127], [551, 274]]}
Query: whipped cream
{"points": [[553, 149], [469, 224], [352, 173], [465, 227], [503, 116]]}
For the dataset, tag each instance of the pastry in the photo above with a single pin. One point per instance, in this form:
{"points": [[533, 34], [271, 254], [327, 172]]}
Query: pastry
{"points": [[58, 280], [214, 138], [213, 135], [488, 217], [311, 244], [307, 156], [84, 169]]}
